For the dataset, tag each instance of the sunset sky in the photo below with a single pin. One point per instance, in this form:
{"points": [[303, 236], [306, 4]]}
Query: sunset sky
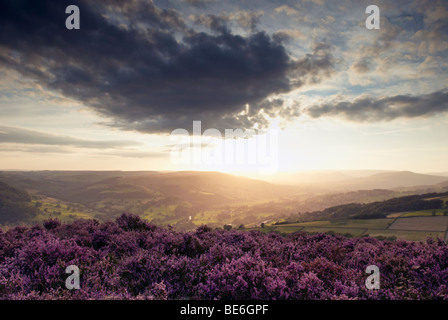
{"points": [[107, 96]]}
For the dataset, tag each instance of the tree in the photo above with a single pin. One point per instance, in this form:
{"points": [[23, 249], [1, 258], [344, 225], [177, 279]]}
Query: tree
{"points": [[227, 227]]}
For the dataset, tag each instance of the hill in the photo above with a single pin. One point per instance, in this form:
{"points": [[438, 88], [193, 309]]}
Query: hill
{"points": [[375, 210], [14, 204], [176, 198], [389, 180], [352, 180], [200, 188]]}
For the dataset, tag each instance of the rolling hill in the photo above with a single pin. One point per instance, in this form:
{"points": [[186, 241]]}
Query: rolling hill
{"points": [[348, 180], [390, 180], [196, 187], [14, 204]]}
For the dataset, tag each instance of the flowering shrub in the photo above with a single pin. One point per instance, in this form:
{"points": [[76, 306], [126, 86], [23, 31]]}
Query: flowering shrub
{"points": [[132, 259]]}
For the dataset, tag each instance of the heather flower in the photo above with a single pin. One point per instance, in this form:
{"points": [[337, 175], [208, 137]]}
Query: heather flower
{"points": [[130, 259]]}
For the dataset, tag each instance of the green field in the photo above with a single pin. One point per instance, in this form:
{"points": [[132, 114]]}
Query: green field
{"points": [[348, 223], [163, 213], [287, 229], [62, 211], [355, 232], [424, 213], [406, 235], [364, 227]]}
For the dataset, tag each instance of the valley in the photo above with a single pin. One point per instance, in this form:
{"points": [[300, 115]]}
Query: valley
{"points": [[188, 199]]}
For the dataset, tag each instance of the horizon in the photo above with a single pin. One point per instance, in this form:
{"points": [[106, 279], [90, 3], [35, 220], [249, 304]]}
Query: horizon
{"points": [[278, 178]]}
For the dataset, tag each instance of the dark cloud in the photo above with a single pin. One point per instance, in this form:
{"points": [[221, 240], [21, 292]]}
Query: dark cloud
{"points": [[314, 66], [32, 137], [145, 70], [221, 22], [361, 66], [248, 19], [218, 23], [384, 109], [198, 3]]}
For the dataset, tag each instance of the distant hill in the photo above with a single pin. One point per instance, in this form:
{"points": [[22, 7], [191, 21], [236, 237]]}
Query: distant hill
{"points": [[377, 209], [309, 177], [14, 204], [352, 180], [443, 174], [389, 180], [196, 187]]}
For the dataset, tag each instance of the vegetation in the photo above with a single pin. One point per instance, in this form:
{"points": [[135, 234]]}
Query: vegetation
{"points": [[376, 210], [132, 259], [15, 205], [390, 228]]}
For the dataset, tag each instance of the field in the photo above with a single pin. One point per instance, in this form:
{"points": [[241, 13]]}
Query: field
{"points": [[52, 208], [406, 235], [412, 227], [438, 212], [420, 224]]}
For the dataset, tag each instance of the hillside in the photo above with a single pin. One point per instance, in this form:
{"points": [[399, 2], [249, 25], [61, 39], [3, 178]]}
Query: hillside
{"points": [[201, 188], [14, 204], [377, 209], [389, 180], [187, 199], [183, 199], [352, 180]]}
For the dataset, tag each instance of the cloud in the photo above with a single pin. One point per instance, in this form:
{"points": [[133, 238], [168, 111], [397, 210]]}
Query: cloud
{"points": [[290, 34], [361, 66], [387, 37], [144, 69], [198, 3], [217, 23], [289, 11], [32, 137], [135, 154], [220, 23], [383, 109], [314, 67]]}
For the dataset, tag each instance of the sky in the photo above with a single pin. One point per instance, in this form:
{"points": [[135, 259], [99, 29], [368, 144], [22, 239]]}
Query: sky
{"points": [[154, 85]]}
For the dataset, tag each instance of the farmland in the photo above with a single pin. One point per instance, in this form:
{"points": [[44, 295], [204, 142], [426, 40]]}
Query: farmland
{"points": [[406, 227], [411, 225], [66, 212]]}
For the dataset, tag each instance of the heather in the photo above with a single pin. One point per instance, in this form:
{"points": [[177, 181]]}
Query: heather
{"points": [[131, 259]]}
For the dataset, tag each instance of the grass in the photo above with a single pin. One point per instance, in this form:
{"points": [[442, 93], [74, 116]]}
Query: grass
{"points": [[356, 232], [424, 213], [206, 217], [406, 235], [160, 212], [361, 227], [62, 211], [287, 229], [348, 223], [431, 224]]}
